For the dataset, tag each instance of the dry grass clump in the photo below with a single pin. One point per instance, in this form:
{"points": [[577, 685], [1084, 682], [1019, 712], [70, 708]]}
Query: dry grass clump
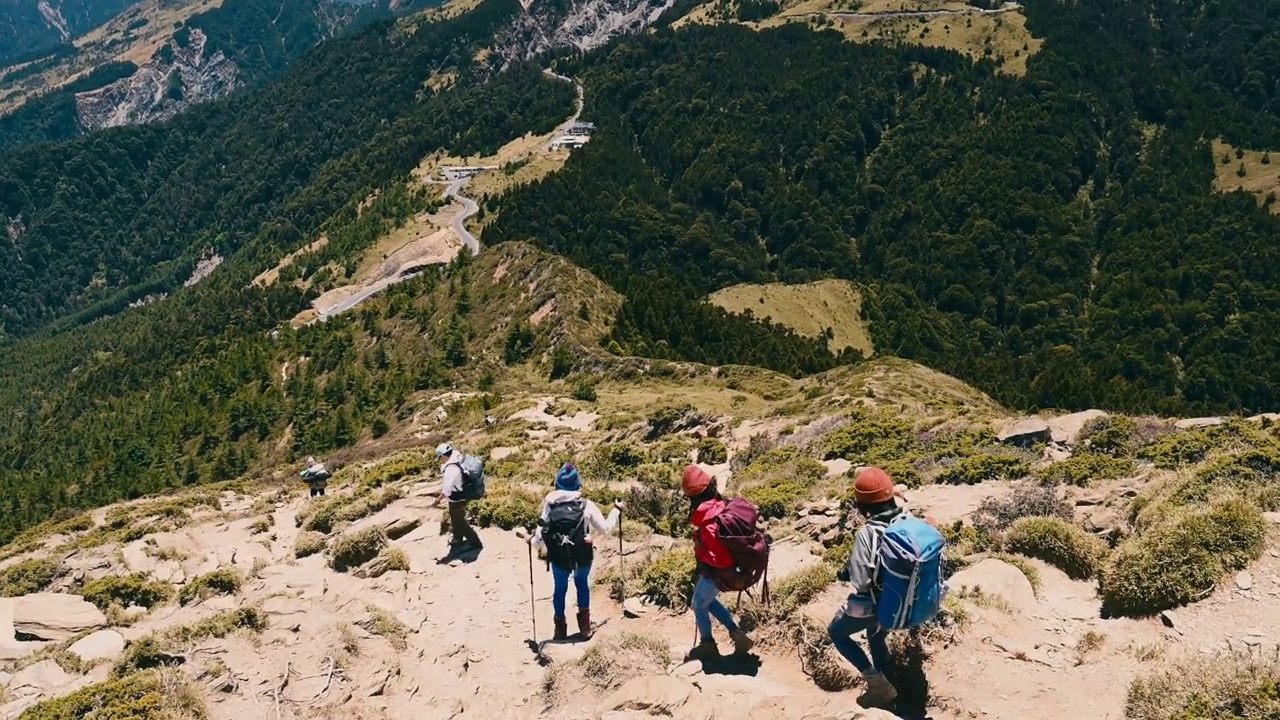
{"points": [[308, 543], [355, 549], [1026, 500], [224, 581], [1225, 687], [818, 658], [606, 666], [151, 695], [1058, 543], [386, 625]]}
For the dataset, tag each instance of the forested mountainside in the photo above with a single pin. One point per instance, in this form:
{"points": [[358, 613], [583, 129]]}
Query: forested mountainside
{"points": [[241, 43], [30, 27], [1054, 239]]}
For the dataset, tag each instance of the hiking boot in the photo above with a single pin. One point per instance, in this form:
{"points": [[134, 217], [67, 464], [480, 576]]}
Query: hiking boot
{"points": [[742, 642], [584, 623], [562, 628], [705, 650], [879, 693]]}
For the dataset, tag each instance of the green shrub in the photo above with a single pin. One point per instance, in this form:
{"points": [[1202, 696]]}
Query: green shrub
{"points": [[28, 576], [1058, 543], [1113, 435], [712, 451], [903, 472], [224, 581], [1177, 450], [668, 579], [506, 507], [165, 648], [665, 420], [308, 543], [1253, 474], [779, 497], [663, 509], [1225, 687], [981, 468], [151, 695], [259, 526], [796, 590], [584, 391], [406, 463], [612, 461], [873, 437], [349, 508], [125, 590], [355, 549], [1181, 559], [1082, 469]]}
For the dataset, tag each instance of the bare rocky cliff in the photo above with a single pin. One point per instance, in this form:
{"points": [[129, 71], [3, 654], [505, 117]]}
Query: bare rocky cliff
{"points": [[581, 24], [175, 78]]}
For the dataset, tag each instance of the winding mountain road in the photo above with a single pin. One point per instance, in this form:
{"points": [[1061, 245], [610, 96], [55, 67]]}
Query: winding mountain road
{"points": [[927, 14], [458, 223]]}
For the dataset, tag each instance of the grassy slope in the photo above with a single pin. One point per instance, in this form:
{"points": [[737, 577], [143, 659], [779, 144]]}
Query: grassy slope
{"points": [[1259, 179], [809, 309]]}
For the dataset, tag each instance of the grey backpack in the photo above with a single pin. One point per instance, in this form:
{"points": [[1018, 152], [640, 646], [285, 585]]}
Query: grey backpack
{"points": [[472, 467]]}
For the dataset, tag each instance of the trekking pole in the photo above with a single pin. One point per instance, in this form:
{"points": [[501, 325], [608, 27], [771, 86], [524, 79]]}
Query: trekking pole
{"points": [[622, 575], [533, 610]]}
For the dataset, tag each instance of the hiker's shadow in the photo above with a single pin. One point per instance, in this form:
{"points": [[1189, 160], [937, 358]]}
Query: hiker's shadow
{"points": [[909, 678], [748, 665], [466, 557]]}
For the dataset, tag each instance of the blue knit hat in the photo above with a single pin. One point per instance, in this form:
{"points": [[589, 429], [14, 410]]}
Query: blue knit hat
{"points": [[567, 478]]}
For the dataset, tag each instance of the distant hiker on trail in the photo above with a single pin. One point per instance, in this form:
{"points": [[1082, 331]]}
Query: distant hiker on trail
{"points": [[316, 476], [895, 571], [463, 481], [714, 563], [564, 530]]}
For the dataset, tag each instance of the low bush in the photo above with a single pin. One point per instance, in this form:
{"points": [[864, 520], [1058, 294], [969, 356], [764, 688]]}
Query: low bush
{"points": [[151, 695], [712, 451], [1112, 435], [780, 496], [1253, 474], [355, 549], [1181, 559], [794, 591], [669, 419], [1083, 469], [664, 510], [384, 624], [166, 647], [224, 581], [873, 437], [1225, 687], [1027, 500], [308, 543], [260, 525], [668, 579], [982, 468], [28, 576], [584, 391], [507, 507], [612, 461], [395, 558], [608, 664], [125, 590], [1058, 543]]}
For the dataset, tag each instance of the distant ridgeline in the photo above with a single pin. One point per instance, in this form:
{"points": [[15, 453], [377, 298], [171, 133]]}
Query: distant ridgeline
{"points": [[27, 35], [260, 37]]}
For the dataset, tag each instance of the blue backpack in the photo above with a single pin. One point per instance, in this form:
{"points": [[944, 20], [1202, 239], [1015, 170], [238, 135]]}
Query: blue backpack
{"points": [[909, 571]]}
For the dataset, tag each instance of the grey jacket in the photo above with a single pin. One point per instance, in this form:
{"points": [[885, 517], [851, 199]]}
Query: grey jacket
{"points": [[861, 570]]}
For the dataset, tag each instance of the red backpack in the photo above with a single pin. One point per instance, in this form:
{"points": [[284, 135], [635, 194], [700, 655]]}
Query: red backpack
{"points": [[747, 546]]}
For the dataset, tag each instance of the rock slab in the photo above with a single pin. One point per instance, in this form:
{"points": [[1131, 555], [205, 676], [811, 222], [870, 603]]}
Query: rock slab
{"points": [[54, 616], [102, 645], [996, 577]]}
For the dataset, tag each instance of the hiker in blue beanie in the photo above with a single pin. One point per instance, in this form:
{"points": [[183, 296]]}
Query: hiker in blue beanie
{"points": [[564, 530]]}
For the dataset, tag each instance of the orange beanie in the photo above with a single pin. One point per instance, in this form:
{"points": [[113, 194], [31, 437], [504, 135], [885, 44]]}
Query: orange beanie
{"points": [[872, 487], [695, 481]]}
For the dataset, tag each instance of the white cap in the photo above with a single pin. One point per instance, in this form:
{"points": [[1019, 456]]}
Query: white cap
{"points": [[444, 449]]}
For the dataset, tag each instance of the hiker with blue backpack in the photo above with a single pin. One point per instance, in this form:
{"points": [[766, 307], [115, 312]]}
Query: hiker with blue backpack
{"points": [[462, 482], [896, 574]]}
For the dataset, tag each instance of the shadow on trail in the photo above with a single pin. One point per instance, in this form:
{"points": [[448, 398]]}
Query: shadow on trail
{"points": [[466, 555], [909, 678], [748, 665]]}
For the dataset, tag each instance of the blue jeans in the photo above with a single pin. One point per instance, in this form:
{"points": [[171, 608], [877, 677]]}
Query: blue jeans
{"points": [[706, 606], [561, 577], [840, 630]]}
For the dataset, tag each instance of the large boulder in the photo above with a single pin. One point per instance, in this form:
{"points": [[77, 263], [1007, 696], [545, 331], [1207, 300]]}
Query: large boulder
{"points": [[999, 578], [1066, 428], [394, 523], [1200, 422], [102, 645], [54, 616], [38, 679], [1025, 432]]}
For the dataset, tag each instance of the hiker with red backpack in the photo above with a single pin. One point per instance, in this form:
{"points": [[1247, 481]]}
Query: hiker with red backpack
{"points": [[896, 574], [731, 552], [564, 530]]}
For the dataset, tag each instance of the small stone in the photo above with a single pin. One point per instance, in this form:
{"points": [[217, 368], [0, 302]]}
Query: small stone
{"points": [[522, 533], [633, 608], [1244, 580], [1272, 517]]}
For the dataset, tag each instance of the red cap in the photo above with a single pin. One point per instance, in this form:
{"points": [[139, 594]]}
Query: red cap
{"points": [[872, 487], [695, 481]]}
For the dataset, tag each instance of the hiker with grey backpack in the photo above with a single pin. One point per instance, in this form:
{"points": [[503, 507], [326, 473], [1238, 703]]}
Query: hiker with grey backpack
{"points": [[896, 574], [463, 481], [564, 532]]}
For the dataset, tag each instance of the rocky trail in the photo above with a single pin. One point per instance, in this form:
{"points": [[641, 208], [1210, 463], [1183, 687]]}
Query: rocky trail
{"points": [[258, 602]]}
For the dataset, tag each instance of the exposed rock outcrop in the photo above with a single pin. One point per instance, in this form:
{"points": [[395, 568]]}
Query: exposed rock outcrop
{"points": [[54, 616]]}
